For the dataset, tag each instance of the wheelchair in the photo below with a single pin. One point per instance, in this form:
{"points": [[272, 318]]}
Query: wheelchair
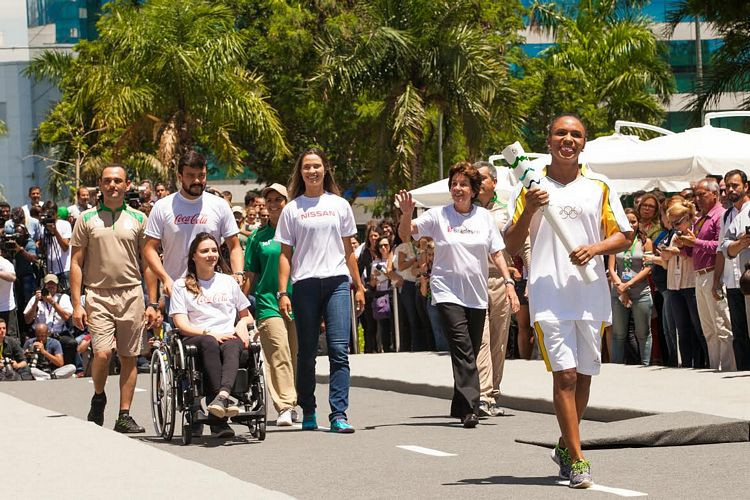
{"points": [[177, 385]]}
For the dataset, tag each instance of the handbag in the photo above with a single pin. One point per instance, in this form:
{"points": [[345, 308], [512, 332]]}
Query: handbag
{"points": [[381, 307]]}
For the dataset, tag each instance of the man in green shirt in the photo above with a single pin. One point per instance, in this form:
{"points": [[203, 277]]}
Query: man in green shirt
{"points": [[278, 335]]}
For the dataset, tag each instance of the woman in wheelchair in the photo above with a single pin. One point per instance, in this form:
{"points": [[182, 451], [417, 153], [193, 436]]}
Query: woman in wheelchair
{"points": [[204, 305]]}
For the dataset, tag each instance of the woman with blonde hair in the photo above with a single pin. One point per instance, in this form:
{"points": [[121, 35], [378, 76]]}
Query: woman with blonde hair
{"points": [[681, 280]]}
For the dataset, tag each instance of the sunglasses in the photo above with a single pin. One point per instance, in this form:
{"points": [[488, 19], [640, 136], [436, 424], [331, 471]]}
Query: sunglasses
{"points": [[679, 221]]}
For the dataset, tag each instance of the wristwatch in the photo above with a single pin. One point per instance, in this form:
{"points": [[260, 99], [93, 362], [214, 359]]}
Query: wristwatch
{"points": [[155, 305], [281, 294], [510, 281]]}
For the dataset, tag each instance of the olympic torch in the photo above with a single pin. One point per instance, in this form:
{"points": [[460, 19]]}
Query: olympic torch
{"points": [[526, 175]]}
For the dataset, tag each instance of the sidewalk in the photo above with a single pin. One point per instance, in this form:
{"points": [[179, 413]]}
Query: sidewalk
{"points": [[101, 461], [619, 392]]}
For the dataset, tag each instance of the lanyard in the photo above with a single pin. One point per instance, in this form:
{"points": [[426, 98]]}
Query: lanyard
{"points": [[627, 261]]}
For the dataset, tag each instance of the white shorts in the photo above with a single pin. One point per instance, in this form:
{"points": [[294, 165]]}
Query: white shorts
{"points": [[571, 344]]}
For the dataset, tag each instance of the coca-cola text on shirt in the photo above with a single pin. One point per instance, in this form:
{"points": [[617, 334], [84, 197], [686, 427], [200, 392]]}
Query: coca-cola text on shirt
{"points": [[198, 218]]}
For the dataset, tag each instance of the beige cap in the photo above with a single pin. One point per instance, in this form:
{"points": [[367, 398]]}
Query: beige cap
{"points": [[238, 210], [276, 187], [51, 277]]}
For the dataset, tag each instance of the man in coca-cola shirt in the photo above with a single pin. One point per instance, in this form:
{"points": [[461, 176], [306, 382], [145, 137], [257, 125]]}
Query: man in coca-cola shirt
{"points": [[177, 218]]}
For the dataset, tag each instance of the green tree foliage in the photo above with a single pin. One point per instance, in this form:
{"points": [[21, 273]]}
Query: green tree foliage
{"points": [[407, 62], [606, 65], [729, 70], [164, 77], [3, 128]]}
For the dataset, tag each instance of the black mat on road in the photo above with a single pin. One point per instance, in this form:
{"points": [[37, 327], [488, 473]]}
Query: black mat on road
{"points": [[666, 429]]}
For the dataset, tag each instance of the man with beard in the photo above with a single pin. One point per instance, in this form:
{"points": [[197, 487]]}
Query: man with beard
{"points": [[176, 219], [734, 241]]}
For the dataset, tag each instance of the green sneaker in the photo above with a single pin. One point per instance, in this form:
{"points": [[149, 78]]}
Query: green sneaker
{"points": [[562, 458], [580, 474], [309, 422], [341, 426]]}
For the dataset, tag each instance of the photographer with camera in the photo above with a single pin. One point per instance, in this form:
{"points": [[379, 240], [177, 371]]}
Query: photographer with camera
{"points": [[7, 299], [45, 356], [49, 306], [13, 364], [25, 256], [56, 243], [18, 218]]}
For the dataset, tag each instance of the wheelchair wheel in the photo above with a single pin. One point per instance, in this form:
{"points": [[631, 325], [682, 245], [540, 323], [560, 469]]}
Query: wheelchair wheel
{"points": [[187, 428], [262, 398], [162, 395]]}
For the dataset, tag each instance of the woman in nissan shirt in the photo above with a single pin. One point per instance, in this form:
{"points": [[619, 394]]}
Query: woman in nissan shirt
{"points": [[315, 231], [464, 235]]}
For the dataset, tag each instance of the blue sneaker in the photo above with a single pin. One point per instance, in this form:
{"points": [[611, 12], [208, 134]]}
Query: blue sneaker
{"points": [[341, 426], [309, 422]]}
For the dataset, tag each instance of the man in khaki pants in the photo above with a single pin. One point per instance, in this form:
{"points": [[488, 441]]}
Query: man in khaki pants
{"points": [[278, 335], [491, 355]]}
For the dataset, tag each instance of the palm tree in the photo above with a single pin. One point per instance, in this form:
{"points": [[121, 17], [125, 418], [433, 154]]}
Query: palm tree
{"points": [[164, 77], [730, 64], [606, 53], [413, 57]]}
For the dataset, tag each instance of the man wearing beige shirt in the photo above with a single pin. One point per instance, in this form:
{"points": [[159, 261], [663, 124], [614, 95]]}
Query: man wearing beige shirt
{"points": [[107, 243]]}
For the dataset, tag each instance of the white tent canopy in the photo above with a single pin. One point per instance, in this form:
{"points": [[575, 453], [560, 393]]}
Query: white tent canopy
{"points": [[669, 162], [438, 193]]}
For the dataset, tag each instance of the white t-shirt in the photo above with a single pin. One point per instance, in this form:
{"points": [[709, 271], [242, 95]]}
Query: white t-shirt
{"points": [[592, 211], [7, 299], [315, 228], [382, 280], [409, 253], [215, 309], [175, 221], [75, 211], [58, 260], [46, 313], [462, 244]]}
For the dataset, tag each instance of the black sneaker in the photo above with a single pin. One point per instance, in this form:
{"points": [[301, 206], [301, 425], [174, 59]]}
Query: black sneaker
{"points": [[222, 430], [96, 413], [126, 425], [470, 421]]}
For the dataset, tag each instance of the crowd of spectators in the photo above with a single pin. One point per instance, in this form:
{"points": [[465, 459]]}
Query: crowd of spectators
{"points": [[677, 295]]}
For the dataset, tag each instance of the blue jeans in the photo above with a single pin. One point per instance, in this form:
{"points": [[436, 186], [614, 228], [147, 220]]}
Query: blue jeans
{"points": [[329, 298], [641, 310], [441, 342]]}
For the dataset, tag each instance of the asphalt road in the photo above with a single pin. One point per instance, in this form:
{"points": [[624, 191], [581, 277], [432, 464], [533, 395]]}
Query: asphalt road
{"points": [[406, 446]]}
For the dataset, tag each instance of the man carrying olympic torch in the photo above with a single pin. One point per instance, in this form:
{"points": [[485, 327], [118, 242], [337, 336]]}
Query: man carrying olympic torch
{"points": [[573, 216]]}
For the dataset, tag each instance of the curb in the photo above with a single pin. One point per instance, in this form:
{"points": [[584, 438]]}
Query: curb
{"points": [[520, 403]]}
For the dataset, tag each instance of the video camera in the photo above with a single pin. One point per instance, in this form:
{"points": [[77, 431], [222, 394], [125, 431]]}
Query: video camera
{"points": [[48, 217], [133, 198]]}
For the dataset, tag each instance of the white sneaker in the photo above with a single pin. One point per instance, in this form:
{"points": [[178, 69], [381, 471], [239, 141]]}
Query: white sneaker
{"points": [[285, 418], [296, 416]]}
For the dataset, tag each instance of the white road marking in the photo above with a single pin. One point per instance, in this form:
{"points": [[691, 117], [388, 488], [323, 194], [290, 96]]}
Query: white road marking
{"points": [[615, 491], [425, 451]]}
